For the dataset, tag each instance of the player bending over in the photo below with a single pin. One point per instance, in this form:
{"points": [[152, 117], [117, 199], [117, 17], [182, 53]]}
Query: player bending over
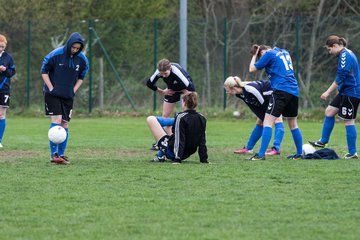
{"points": [[256, 95]]}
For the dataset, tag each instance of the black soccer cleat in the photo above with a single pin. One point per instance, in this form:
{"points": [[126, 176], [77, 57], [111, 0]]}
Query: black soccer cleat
{"points": [[256, 158], [295, 157], [159, 159], [349, 156], [154, 147], [317, 144]]}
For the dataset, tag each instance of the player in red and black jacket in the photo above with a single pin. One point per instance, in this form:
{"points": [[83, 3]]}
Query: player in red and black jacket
{"points": [[7, 70], [189, 133]]}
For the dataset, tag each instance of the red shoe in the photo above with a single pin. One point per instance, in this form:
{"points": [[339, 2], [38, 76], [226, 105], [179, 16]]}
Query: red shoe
{"points": [[272, 151], [58, 160], [244, 150]]}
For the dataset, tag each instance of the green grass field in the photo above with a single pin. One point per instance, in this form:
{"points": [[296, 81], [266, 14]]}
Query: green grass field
{"points": [[111, 190]]}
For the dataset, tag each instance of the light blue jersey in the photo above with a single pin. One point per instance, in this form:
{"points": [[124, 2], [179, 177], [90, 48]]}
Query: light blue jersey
{"points": [[278, 66], [348, 74]]}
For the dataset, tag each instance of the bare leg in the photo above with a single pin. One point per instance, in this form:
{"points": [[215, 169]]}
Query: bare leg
{"points": [[168, 109], [155, 128]]}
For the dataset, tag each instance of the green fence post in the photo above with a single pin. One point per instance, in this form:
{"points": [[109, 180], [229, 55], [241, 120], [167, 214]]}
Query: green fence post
{"points": [[90, 64], [155, 27], [297, 57], [107, 57], [225, 58], [28, 66]]}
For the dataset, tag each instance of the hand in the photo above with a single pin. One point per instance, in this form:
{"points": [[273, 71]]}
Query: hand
{"points": [[2, 68], [185, 91], [168, 92], [254, 50], [324, 96]]}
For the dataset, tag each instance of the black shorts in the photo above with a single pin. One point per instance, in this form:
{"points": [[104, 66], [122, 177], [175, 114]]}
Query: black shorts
{"points": [[347, 106], [173, 98], [55, 106], [259, 111], [165, 147], [283, 103], [5, 100]]}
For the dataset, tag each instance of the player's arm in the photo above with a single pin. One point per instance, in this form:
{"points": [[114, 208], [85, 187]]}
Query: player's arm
{"points": [[180, 139], [252, 67], [151, 82], [45, 69], [10, 69], [47, 81], [202, 150], [332, 88], [78, 84]]}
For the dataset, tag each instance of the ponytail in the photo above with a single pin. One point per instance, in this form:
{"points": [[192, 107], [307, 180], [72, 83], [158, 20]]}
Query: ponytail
{"points": [[191, 100]]}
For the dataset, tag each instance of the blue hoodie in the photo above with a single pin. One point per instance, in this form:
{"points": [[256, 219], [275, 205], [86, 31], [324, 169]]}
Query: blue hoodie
{"points": [[65, 69], [7, 61]]}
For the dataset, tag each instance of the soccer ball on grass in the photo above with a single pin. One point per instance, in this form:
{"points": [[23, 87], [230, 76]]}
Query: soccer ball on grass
{"points": [[57, 134], [307, 149], [236, 114]]}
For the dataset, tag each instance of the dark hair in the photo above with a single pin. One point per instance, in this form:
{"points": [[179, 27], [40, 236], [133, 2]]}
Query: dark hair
{"points": [[255, 47], [164, 65], [191, 100], [333, 39]]}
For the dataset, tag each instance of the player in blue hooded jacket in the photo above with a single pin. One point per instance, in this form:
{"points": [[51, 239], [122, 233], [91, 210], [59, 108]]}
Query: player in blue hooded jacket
{"points": [[63, 71], [346, 102], [7, 70]]}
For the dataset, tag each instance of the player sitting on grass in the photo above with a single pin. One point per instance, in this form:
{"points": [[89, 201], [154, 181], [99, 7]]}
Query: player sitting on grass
{"points": [[256, 95], [188, 133]]}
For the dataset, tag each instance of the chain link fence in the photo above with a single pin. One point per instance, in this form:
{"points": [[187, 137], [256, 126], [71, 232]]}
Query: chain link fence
{"points": [[124, 53]]}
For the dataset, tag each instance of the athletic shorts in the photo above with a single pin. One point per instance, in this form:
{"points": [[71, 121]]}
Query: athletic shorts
{"points": [[283, 103], [5, 100], [259, 111], [347, 106], [55, 106], [173, 98], [165, 147]]}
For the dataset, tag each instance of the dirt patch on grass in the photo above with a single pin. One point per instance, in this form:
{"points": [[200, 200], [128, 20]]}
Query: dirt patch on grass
{"points": [[15, 154], [117, 153]]}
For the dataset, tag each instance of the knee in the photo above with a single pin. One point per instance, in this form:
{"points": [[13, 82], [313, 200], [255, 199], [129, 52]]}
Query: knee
{"points": [[150, 119]]}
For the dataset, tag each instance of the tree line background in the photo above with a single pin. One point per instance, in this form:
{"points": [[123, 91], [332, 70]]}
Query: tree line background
{"points": [[138, 33]]}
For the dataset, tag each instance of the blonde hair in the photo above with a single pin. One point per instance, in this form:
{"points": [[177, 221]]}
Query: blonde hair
{"points": [[234, 81], [3, 39]]}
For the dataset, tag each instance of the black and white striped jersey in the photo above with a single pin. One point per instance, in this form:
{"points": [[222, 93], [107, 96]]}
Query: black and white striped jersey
{"points": [[256, 93], [189, 135], [178, 79]]}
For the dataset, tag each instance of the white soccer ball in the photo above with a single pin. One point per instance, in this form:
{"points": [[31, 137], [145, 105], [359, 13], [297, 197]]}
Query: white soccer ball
{"points": [[307, 149], [236, 114], [57, 134]]}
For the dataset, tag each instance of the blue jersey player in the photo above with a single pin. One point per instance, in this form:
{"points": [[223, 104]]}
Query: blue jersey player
{"points": [[63, 71], [346, 102], [285, 97], [256, 95], [7, 70]]}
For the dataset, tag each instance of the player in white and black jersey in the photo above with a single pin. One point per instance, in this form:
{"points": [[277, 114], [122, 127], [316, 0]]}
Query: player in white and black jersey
{"points": [[189, 133], [256, 95], [177, 81]]}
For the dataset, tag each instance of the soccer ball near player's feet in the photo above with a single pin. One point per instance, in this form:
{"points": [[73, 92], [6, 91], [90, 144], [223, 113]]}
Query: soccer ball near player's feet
{"points": [[57, 134], [308, 148]]}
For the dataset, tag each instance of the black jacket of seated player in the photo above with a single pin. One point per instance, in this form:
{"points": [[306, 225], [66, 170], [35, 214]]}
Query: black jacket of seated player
{"points": [[189, 135]]}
